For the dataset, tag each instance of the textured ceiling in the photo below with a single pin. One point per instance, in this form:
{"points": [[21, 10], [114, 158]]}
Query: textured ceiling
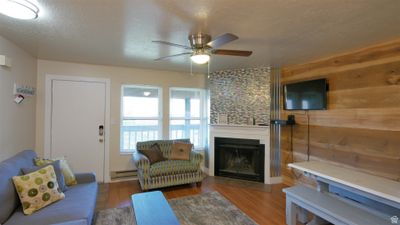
{"points": [[279, 32]]}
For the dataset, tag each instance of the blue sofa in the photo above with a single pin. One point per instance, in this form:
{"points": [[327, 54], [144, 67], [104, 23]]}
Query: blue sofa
{"points": [[76, 209]]}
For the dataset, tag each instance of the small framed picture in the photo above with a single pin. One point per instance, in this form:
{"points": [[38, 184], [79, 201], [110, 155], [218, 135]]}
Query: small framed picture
{"points": [[222, 118]]}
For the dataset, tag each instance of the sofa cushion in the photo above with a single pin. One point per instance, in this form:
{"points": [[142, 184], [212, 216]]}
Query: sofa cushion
{"points": [[57, 169], [170, 167], [38, 189], [69, 176], [78, 205], [9, 168]]}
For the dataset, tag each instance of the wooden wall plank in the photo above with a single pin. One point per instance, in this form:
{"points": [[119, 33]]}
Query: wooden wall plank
{"points": [[366, 118], [374, 143], [371, 76], [361, 128], [319, 73], [366, 55], [372, 97]]}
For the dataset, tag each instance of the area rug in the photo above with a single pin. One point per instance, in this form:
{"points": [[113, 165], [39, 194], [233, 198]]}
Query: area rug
{"points": [[204, 209]]}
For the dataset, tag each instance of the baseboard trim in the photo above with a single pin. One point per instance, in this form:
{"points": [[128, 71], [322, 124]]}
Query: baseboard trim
{"points": [[272, 180], [117, 180], [275, 180], [205, 170]]}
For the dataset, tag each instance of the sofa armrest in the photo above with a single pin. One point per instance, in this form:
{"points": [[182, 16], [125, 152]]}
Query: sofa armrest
{"points": [[82, 178], [142, 163], [196, 157]]}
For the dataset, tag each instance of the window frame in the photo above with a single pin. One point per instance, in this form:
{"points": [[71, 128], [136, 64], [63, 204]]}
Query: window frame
{"points": [[122, 118], [203, 118]]}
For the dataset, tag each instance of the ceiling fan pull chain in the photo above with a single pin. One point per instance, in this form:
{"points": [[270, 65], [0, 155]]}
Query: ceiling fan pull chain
{"points": [[191, 68], [208, 72]]}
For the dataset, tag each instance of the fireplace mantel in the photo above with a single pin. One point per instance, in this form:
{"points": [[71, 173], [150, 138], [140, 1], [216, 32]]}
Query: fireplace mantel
{"points": [[245, 132], [238, 125]]}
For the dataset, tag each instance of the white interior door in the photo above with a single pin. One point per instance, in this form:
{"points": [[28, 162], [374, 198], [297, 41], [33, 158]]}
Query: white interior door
{"points": [[78, 111]]}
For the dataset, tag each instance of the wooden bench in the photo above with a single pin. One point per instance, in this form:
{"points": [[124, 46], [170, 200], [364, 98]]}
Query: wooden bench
{"points": [[328, 207], [151, 208]]}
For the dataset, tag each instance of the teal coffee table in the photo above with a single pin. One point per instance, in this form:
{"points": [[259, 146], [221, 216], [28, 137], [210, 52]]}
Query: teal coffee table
{"points": [[151, 208]]}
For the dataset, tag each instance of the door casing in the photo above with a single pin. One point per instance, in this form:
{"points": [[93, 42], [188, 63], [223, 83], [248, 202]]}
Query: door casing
{"points": [[47, 116]]}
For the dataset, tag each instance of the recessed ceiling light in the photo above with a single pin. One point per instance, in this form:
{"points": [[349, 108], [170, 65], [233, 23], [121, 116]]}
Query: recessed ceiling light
{"points": [[146, 93], [20, 9]]}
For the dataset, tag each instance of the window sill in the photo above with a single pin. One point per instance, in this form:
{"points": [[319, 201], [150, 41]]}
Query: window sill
{"points": [[126, 153]]}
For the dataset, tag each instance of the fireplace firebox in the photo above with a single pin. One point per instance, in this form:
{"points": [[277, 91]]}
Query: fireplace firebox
{"points": [[239, 158]]}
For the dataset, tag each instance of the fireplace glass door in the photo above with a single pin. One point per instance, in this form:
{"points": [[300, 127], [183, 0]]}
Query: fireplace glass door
{"points": [[239, 158]]}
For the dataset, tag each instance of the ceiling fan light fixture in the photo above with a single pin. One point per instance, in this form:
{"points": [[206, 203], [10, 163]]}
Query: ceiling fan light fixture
{"points": [[19, 9], [201, 58]]}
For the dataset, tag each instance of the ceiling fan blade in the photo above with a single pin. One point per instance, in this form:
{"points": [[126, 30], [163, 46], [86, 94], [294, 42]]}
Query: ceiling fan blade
{"points": [[231, 52], [172, 44], [222, 39], [170, 56]]}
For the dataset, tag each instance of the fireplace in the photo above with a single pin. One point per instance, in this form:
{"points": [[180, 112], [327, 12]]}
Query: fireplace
{"points": [[239, 158]]}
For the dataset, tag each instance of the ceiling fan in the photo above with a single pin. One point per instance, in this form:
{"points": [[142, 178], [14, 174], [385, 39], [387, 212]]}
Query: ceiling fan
{"points": [[201, 47]]}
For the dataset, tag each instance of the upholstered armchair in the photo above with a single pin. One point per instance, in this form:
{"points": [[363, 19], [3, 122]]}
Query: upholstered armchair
{"points": [[169, 172]]}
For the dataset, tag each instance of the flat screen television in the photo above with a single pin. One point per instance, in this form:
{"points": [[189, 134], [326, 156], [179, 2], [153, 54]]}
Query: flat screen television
{"points": [[307, 95]]}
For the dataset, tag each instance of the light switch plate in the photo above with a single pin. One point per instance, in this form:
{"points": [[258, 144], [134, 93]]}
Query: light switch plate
{"points": [[5, 61]]}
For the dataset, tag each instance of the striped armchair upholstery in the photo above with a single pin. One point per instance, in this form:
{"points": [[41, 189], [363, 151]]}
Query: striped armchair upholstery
{"points": [[167, 173]]}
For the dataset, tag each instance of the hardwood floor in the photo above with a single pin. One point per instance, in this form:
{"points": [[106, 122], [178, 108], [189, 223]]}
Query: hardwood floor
{"points": [[264, 207]]}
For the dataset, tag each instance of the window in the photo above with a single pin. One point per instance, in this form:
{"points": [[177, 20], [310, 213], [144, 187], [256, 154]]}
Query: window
{"points": [[140, 116], [188, 115]]}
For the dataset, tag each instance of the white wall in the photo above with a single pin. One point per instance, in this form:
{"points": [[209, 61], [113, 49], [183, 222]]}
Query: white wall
{"points": [[17, 122], [118, 76]]}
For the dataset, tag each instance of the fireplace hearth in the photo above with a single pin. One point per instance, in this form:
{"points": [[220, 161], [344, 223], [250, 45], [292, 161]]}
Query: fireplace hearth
{"points": [[239, 158]]}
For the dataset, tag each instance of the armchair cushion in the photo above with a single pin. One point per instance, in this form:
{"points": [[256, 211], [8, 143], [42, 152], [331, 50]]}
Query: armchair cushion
{"points": [[165, 145], [171, 167], [181, 151], [154, 154]]}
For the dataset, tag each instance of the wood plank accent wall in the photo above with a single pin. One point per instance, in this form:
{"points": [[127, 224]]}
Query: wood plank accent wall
{"points": [[361, 128]]}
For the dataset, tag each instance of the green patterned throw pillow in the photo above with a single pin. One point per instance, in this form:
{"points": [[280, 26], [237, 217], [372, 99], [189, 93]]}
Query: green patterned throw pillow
{"points": [[69, 176], [37, 189]]}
